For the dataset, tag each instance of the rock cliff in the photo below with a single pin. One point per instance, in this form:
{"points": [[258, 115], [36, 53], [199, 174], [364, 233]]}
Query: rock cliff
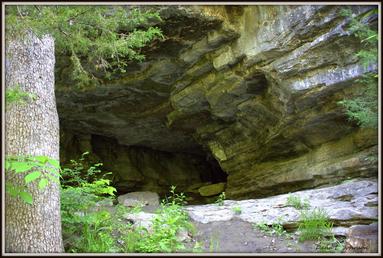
{"points": [[254, 88]]}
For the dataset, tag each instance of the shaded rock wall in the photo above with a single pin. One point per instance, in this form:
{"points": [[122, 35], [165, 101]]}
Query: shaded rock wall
{"points": [[255, 86], [141, 168]]}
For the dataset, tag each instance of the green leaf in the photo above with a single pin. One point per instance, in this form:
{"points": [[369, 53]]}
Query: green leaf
{"points": [[53, 179], [54, 163], [32, 176], [42, 159], [22, 166], [11, 189], [43, 183], [27, 197], [54, 171]]}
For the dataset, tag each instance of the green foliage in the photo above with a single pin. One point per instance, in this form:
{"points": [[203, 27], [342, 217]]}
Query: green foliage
{"points": [[169, 220], [79, 172], [331, 245], [86, 229], [214, 244], [363, 108], [41, 168], [175, 199], [197, 247], [99, 39], [237, 210], [262, 226], [314, 225], [274, 228], [220, 199], [88, 232], [297, 203], [18, 96]]}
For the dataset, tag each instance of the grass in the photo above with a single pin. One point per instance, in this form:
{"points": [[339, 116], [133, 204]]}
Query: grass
{"points": [[214, 244], [314, 225], [297, 203]]}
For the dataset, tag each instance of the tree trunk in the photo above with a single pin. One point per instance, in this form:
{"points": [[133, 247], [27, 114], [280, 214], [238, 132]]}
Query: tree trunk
{"points": [[32, 128]]}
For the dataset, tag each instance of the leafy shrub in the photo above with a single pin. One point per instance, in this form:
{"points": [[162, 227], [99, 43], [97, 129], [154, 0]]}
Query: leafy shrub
{"points": [[78, 173], [88, 230], [84, 228], [169, 220], [220, 199]]}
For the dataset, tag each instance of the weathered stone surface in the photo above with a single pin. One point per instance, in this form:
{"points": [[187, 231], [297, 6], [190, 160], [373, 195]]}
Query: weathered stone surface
{"points": [[362, 239], [274, 209], [139, 199], [104, 204], [213, 189], [140, 219], [255, 86]]}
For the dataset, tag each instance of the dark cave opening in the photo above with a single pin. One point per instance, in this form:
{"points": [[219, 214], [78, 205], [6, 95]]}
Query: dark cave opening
{"points": [[140, 168]]}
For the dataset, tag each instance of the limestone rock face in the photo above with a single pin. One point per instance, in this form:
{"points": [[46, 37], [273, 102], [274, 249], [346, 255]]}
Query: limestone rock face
{"points": [[254, 86], [354, 210]]}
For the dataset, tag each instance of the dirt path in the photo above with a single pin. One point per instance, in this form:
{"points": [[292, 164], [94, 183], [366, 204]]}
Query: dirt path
{"points": [[237, 236]]}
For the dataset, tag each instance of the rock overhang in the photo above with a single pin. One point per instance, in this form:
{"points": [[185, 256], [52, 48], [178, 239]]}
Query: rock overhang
{"points": [[249, 85]]}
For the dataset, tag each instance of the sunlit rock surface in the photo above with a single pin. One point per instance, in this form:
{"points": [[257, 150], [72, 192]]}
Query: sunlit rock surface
{"points": [[346, 204]]}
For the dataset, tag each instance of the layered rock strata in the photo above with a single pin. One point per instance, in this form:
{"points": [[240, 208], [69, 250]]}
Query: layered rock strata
{"points": [[254, 86]]}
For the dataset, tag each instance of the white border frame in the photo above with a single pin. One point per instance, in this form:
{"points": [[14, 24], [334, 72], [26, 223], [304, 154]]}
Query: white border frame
{"points": [[192, 3]]}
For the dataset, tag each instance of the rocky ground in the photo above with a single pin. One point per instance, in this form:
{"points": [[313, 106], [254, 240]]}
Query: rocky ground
{"points": [[236, 226]]}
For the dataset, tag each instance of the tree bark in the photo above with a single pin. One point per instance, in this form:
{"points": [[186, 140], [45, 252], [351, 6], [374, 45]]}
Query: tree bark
{"points": [[32, 128]]}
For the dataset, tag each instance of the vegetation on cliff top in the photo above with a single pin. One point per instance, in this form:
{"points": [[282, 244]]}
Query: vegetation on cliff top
{"points": [[363, 108], [97, 38]]}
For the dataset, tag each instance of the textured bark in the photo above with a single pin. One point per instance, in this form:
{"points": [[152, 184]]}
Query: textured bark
{"points": [[32, 129]]}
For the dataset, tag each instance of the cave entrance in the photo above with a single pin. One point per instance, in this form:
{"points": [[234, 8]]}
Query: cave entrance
{"points": [[138, 168]]}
